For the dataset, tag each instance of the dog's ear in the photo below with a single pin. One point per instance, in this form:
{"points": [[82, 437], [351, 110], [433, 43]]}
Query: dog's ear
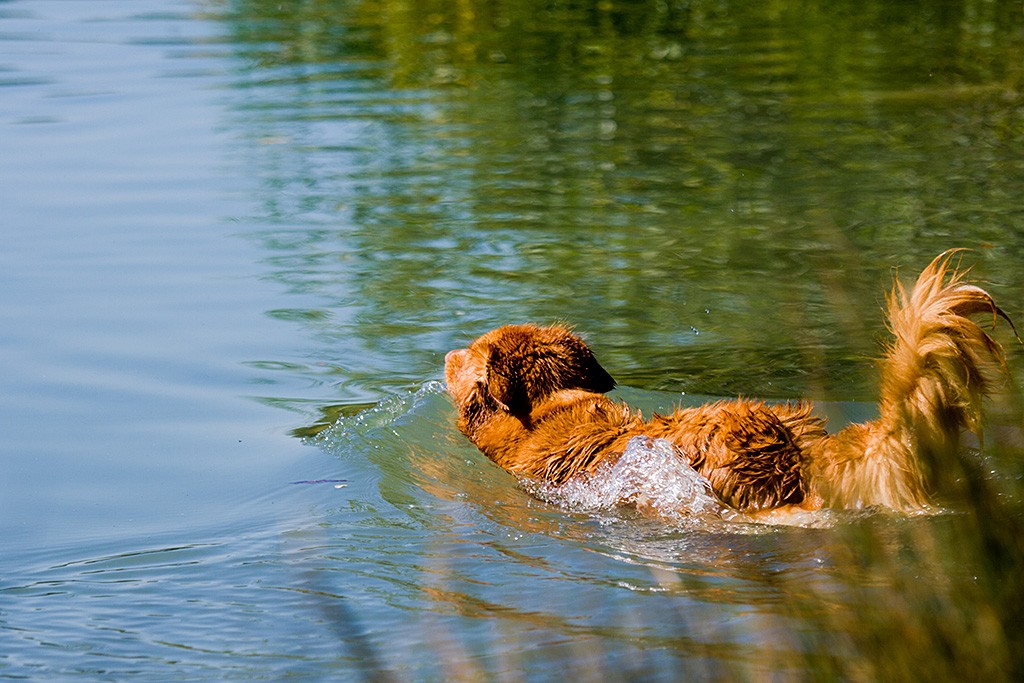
{"points": [[505, 384], [568, 363], [529, 363]]}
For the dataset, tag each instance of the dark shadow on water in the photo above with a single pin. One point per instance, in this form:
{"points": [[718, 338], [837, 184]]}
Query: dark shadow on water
{"points": [[356, 645]]}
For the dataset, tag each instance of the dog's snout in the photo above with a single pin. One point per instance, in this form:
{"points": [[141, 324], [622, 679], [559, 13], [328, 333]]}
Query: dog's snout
{"points": [[454, 372], [453, 364], [452, 358]]}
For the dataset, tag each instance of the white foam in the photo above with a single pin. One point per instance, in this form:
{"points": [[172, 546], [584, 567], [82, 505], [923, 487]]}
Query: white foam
{"points": [[652, 475]]}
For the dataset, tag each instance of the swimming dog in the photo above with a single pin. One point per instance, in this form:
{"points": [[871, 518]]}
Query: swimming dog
{"points": [[532, 398]]}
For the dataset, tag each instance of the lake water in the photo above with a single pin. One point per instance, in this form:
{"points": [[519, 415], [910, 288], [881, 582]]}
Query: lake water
{"points": [[239, 237]]}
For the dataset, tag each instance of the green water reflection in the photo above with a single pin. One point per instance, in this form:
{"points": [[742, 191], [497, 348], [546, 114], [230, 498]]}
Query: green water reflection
{"points": [[716, 194]]}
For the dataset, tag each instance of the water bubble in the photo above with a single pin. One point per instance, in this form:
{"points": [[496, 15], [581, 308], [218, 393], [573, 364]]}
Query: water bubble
{"points": [[652, 474]]}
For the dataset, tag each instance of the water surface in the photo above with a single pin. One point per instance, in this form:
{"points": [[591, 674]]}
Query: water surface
{"points": [[239, 238]]}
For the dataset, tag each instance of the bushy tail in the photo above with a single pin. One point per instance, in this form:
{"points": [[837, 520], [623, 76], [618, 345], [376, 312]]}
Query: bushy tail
{"points": [[935, 375], [942, 363]]}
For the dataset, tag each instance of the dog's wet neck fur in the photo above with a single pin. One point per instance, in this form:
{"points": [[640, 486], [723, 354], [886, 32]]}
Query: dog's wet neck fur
{"points": [[506, 451], [560, 401]]}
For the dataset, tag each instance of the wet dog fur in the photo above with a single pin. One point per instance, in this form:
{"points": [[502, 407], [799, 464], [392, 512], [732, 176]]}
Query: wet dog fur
{"points": [[532, 399]]}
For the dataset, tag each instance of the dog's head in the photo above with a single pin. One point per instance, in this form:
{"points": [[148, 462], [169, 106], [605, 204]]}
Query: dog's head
{"points": [[512, 368]]}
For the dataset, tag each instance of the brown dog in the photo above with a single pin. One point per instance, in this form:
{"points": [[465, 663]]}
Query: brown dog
{"points": [[532, 399]]}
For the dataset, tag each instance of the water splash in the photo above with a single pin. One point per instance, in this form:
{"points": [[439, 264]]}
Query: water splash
{"points": [[652, 475], [377, 420]]}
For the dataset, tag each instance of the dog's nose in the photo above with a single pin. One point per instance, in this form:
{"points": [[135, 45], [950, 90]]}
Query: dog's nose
{"points": [[452, 359], [455, 356]]}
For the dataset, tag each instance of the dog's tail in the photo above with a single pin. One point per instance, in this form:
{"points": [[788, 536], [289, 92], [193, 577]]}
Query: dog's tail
{"points": [[935, 375]]}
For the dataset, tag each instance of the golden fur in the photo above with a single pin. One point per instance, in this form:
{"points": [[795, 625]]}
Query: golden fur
{"points": [[532, 399]]}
